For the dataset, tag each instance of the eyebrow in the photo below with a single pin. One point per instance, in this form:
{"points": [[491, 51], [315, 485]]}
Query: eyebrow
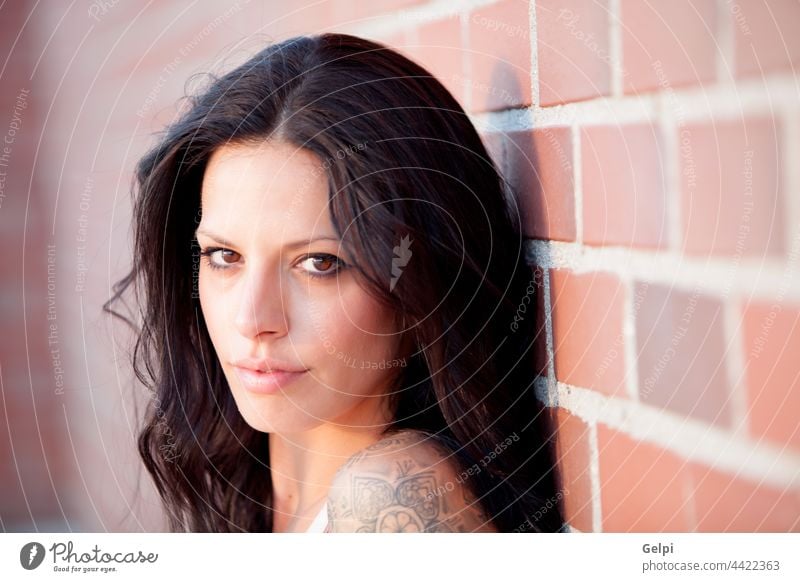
{"points": [[221, 240]]}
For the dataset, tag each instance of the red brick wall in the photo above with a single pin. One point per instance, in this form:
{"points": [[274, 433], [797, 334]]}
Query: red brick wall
{"points": [[654, 149], [30, 419]]}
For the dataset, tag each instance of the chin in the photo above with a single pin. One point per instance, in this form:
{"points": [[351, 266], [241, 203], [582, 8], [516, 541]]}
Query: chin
{"points": [[265, 418]]}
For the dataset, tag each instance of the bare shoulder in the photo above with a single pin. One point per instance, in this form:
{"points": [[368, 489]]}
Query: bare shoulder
{"points": [[404, 483]]}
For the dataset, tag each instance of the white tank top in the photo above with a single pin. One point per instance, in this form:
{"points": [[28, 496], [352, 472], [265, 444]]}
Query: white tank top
{"points": [[320, 521]]}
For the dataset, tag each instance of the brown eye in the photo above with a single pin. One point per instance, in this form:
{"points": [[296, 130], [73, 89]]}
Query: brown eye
{"points": [[218, 258], [229, 256], [323, 265]]}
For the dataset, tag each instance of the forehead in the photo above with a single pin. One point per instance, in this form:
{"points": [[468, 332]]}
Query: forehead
{"points": [[270, 180]]}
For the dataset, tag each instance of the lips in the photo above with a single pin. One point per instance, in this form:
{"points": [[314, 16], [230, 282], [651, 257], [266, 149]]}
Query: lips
{"points": [[266, 375], [266, 382], [267, 365]]}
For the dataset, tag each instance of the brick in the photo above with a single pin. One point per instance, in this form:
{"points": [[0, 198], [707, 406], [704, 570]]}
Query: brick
{"points": [[573, 50], [283, 19], [772, 344], [668, 42], [587, 312], [681, 353], [14, 17], [113, 16], [397, 41], [573, 462], [347, 13], [540, 168], [730, 188], [766, 36], [196, 39], [28, 409], [725, 503], [34, 442], [641, 485], [623, 186], [440, 50], [500, 56]]}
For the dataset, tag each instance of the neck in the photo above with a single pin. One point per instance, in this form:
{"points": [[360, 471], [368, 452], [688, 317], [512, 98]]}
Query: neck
{"points": [[303, 464]]}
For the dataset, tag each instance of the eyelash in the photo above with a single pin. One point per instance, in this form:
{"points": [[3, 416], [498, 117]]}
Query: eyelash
{"points": [[207, 252]]}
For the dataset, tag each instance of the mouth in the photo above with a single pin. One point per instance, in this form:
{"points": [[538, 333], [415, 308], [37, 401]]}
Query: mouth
{"points": [[261, 382]]}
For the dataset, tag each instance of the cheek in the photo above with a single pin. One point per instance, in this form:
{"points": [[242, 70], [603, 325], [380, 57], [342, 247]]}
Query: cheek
{"points": [[353, 329], [212, 308]]}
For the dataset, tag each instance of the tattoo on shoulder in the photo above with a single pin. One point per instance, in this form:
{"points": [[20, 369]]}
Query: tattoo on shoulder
{"points": [[384, 444], [407, 493]]}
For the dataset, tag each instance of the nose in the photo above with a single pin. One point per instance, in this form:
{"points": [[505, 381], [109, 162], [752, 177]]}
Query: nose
{"points": [[261, 304]]}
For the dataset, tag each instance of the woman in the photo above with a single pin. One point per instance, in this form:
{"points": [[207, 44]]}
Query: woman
{"points": [[333, 322]]}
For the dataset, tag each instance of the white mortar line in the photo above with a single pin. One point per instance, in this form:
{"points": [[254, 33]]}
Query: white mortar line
{"points": [[789, 138], [594, 476], [411, 17], [697, 104], [735, 363], [541, 387], [726, 49], [548, 327], [615, 46], [672, 175], [534, 43], [712, 276], [629, 347], [689, 438], [550, 397]]}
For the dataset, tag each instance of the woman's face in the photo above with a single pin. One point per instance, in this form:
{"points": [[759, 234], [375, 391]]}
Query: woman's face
{"points": [[269, 295]]}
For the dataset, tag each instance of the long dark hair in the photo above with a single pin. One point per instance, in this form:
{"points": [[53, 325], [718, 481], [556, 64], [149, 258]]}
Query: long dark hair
{"points": [[395, 143]]}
